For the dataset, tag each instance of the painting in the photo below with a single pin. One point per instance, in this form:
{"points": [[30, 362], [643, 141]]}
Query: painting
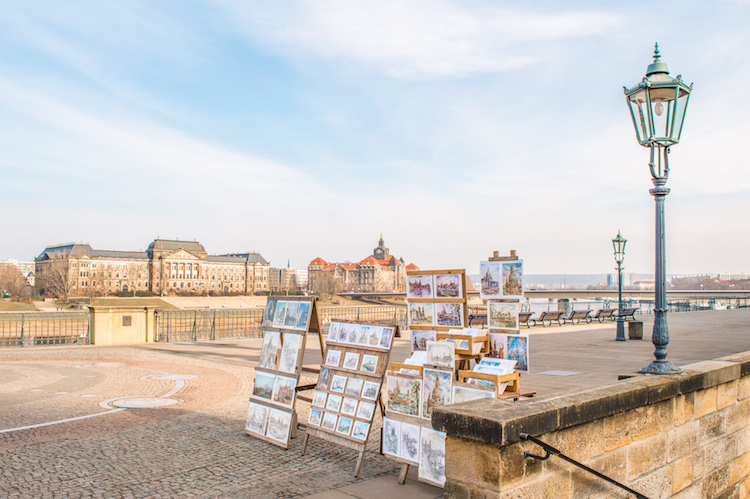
{"points": [[517, 348], [489, 280], [420, 337], [268, 313], [338, 383], [369, 363], [290, 352], [370, 390], [354, 387], [257, 417], [324, 378], [432, 456], [319, 398], [334, 402], [351, 360], [329, 421], [333, 357], [376, 334], [419, 286], [409, 441], [278, 318], [360, 430], [495, 366], [352, 331], [263, 386], [391, 437], [290, 316], [441, 353], [497, 345], [366, 410], [449, 286], [344, 425], [386, 337], [502, 315], [349, 406], [512, 279], [450, 314], [316, 415], [421, 314], [283, 391], [279, 424], [403, 394], [462, 393], [363, 335], [436, 390], [303, 316], [270, 350]]}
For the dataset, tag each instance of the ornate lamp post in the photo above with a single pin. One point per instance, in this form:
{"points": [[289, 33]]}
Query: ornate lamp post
{"points": [[619, 245], [657, 105]]}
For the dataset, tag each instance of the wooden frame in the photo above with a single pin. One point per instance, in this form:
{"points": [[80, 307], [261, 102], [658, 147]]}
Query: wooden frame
{"points": [[434, 301], [472, 340], [512, 379]]}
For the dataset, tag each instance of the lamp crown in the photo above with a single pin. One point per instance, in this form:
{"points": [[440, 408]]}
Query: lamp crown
{"points": [[657, 66]]}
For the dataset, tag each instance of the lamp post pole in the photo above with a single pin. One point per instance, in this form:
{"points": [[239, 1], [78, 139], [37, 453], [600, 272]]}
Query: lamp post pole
{"points": [[619, 245]]}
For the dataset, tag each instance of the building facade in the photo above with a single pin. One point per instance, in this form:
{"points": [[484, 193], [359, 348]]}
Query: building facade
{"points": [[166, 267]]}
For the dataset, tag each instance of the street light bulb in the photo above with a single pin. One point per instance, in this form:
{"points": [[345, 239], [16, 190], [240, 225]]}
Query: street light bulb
{"points": [[659, 109]]}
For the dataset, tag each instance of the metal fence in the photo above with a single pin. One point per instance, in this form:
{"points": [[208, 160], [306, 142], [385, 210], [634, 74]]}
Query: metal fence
{"points": [[26, 329], [196, 325], [373, 314]]}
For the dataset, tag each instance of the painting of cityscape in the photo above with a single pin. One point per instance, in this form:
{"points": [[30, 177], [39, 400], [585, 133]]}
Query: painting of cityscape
{"points": [[432, 456], [409, 450], [462, 393], [497, 345], [517, 348], [450, 314], [280, 315], [279, 426], [270, 349], [419, 286], [489, 280], [436, 390], [391, 437], [421, 314], [513, 279], [283, 391], [441, 353], [268, 314], [403, 394], [263, 386], [420, 337], [290, 316], [257, 416], [290, 352], [449, 286], [303, 316], [501, 315]]}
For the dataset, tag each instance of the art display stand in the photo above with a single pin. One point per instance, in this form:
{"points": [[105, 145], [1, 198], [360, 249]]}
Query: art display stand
{"points": [[348, 389], [286, 322]]}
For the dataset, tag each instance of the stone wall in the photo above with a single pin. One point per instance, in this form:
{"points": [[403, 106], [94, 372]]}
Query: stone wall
{"points": [[683, 436], [122, 325]]}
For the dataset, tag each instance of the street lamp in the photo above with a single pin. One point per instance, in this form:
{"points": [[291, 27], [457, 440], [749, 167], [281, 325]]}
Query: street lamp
{"points": [[657, 106], [619, 245]]}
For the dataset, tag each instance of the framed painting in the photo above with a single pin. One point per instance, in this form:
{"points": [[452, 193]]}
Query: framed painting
{"points": [[419, 286], [366, 410]]}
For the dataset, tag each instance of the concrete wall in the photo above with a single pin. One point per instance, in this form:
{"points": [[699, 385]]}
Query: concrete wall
{"points": [[122, 325], [684, 436]]}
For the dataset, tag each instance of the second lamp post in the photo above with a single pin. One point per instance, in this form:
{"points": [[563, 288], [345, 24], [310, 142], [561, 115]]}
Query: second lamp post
{"points": [[619, 245]]}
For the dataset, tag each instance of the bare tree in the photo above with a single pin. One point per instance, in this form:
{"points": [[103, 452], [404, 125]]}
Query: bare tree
{"points": [[325, 284], [12, 281], [55, 277]]}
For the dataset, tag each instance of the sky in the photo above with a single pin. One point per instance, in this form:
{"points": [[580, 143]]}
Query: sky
{"points": [[306, 128]]}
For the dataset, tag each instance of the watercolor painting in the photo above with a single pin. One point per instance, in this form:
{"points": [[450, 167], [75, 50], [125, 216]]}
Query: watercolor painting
{"points": [[502, 315], [370, 390], [420, 337], [278, 318], [270, 349], [517, 348], [351, 360], [441, 353], [436, 390], [319, 398], [333, 358], [303, 316], [334, 402], [257, 417], [290, 316], [279, 424], [391, 437], [354, 387], [329, 421], [513, 279], [450, 314], [369, 363], [344, 425], [497, 345], [465, 393], [263, 387], [268, 313], [419, 286], [283, 390], [409, 450], [360, 430], [349, 406], [489, 280], [324, 378], [403, 395], [316, 415], [366, 410], [338, 383], [449, 286], [432, 456], [421, 314], [386, 336], [290, 352]]}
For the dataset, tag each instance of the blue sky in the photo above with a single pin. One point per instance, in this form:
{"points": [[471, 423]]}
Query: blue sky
{"points": [[306, 128]]}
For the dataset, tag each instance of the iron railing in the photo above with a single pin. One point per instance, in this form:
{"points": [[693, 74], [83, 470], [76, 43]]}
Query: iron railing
{"points": [[197, 325], [26, 329], [373, 314]]}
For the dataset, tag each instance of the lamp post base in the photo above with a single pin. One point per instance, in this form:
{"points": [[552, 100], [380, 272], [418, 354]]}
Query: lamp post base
{"points": [[660, 367]]}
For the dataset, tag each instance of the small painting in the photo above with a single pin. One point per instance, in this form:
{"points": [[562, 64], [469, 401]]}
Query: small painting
{"points": [[497, 345], [290, 316], [263, 387], [363, 336], [352, 332], [290, 352], [450, 314], [333, 357], [303, 316], [360, 430], [268, 313], [338, 383], [283, 390], [349, 406], [366, 410], [409, 450], [270, 349], [421, 314], [512, 279], [344, 425], [489, 280], [432, 456], [351, 360], [403, 394], [420, 337], [333, 331], [329, 421], [501, 315], [449, 286], [323, 378], [369, 363], [436, 390], [279, 424], [386, 337], [391, 437], [257, 417], [278, 318], [375, 335], [464, 393], [370, 390], [441, 353], [354, 387], [334, 402], [319, 398], [419, 286], [315, 416], [517, 348]]}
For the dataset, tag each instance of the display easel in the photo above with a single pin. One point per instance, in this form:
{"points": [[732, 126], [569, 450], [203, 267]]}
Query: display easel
{"points": [[349, 340], [286, 322]]}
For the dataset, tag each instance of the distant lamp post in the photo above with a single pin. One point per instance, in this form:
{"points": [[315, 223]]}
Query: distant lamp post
{"points": [[657, 105], [619, 245]]}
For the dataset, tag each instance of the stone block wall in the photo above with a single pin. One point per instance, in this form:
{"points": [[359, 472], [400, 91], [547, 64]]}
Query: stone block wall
{"points": [[682, 436]]}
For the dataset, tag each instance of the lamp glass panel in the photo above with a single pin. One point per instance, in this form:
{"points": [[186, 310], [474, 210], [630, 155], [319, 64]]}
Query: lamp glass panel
{"points": [[679, 114], [639, 119], [659, 121]]}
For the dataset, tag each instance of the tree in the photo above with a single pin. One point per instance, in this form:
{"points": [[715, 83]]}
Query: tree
{"points": [[325, 284], [55, 277], [12, 281]]}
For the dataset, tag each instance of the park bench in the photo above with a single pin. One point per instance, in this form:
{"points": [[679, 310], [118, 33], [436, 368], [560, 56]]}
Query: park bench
{"points": [[604, 313], [524, 318], [552, 315], [578, 315], [628, 312], [477, 320]]}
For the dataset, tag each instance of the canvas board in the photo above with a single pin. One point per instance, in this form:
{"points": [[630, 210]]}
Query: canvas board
{"points": [[517, 348], [432, 456], [449, 286], [419, 286], [441, 353], [502, 315]]}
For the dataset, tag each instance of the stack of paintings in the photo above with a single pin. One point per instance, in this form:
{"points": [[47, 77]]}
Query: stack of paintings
{"points": [[271, 412], [417, 445]]}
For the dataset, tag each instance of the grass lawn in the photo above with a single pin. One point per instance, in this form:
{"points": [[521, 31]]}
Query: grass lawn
{"points": [[133, 302], [16, 306]]}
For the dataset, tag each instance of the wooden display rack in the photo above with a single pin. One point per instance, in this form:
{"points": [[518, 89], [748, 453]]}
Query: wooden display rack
{"points": [[511, 390], [339, 370]]}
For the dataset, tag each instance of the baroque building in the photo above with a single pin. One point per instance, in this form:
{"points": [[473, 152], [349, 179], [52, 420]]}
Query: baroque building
{"points": [[166, 267], [379, 272]]}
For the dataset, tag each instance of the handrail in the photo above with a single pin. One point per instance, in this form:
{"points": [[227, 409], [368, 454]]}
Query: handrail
{"points": [[549, 451]]}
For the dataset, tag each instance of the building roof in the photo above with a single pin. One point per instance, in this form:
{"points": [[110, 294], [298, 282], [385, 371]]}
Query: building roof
{"points": [[174, 245], [411, 266], [318, 261], [225, 259], [250, 257]]}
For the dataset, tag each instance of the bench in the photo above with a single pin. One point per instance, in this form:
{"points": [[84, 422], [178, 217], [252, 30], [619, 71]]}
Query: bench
{"points": [[524, 317], [628, 312], [579, 315], [550, 316], [604, 313], [478, 319]]}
